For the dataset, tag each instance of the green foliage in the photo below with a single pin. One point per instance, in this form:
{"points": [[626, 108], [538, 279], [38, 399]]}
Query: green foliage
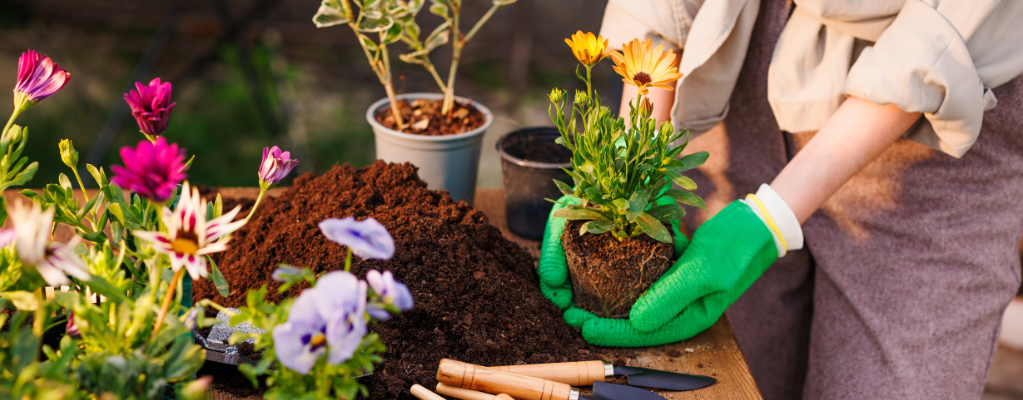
{"points": [[621, 171]]}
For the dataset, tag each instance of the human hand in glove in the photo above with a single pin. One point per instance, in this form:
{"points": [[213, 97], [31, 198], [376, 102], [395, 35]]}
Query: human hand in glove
{"points": [[727, 254]]}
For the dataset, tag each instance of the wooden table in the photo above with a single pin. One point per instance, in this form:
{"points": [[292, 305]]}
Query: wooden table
{"points": [[715, 352]]}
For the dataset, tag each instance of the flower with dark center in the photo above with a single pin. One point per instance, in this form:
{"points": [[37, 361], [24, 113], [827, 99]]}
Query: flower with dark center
{"points": [[189, 236], [53, 260], [151, 106], [298, 342], [152, 169], [643, 67], [38, 78]]}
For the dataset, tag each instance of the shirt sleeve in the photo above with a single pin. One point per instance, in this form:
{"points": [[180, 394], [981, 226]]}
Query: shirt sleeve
{"points": [[664, 22], [941, 58]]}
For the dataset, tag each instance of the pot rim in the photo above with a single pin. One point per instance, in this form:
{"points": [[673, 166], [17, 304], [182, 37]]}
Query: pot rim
{"points": [[526, 163], [379, 128]]}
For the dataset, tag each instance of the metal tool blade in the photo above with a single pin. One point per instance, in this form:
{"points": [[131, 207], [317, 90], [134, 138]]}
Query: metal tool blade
{"points": [[654, 378], [611, 391]]}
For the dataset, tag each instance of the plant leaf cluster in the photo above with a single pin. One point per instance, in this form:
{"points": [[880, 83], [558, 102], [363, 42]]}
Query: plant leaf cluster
{"points": [[628, 178]]}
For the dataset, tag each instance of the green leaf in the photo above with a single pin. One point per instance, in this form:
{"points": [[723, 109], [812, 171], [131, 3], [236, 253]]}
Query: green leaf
{"points": [[64, 182], [376, 25], [97, 174], [438, 37], [680, 180], [653, 227], [329, 15], [439, 10], [218, 279], [580, 213], [103, 287], [218, 207], [596, 227], [564, 188], [411, 30], [503, 2], [685, 197], [622, 204], [638, 202], [368, 43], [694, 160], [95, 237], [667, 212], [117, 212], [3, 209], [22, 300], [393, 34], [594, 195], [22, 177]]}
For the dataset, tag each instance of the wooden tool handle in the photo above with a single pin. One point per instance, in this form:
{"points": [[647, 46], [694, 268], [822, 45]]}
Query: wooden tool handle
{"points": [[424, 394], [580, 373], [483, 379], [466, 394]]}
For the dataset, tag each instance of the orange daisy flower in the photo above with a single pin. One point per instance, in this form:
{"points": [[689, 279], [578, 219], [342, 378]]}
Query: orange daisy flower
{"points": [[587, 48], [645, 68]]}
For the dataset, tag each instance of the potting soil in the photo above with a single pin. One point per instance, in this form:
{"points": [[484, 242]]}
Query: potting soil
{"points": [[476, 293], [423, 117]]}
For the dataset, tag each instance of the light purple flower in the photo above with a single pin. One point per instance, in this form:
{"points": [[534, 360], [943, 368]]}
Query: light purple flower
{"points": [[391, 292], [71, 328], [153, 169], [276, 165], [303, 338], [366, 238], [341, 299], [151, 106], [286, 273], [38, 78], [6, 236], [190, 319]]}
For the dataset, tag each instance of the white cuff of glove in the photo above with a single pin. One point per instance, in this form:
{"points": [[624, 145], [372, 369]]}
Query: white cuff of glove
{"points": [[783, 218]]}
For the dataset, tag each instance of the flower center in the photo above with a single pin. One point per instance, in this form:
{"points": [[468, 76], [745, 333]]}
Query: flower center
{"points": [[185, 243], [317, 341], [642, 77]]}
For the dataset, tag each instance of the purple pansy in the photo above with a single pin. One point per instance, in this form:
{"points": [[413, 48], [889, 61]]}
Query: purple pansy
{"points": [[303, 338], [153, 169], [327, 319], [276, 165], [390, 291], [38, 78], [341, 299], [151, 106], [366, 238]]}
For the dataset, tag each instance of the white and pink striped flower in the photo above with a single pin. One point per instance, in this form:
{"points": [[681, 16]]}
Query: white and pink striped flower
{"points": [[189, 236]]}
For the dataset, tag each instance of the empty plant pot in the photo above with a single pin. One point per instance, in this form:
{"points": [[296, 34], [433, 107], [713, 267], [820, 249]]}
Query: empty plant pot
{"points": [[530, 162], [446, 162]]}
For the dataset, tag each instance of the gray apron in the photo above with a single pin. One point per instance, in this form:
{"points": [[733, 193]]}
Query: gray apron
{"points": [[906, 271]]}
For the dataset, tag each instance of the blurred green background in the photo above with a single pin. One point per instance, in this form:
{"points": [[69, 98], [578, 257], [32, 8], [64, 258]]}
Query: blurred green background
{"points": [[255, 73]]}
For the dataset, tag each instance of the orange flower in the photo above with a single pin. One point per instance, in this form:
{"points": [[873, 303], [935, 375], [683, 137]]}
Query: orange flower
{"points": [[587, 48], [645, 68]]}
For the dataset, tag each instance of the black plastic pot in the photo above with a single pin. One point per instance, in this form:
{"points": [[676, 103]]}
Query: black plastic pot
{"points": [[530, 162]]}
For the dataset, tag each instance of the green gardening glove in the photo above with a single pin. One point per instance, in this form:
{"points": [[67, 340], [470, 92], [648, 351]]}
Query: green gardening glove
{"points": [[727, 254]]}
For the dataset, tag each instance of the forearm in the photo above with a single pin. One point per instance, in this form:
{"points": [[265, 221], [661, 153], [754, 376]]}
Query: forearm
{"points": [[660, 98], [853, 137]]}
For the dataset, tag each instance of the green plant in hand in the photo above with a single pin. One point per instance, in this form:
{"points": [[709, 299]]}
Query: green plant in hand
{"points": [[622, 171]]}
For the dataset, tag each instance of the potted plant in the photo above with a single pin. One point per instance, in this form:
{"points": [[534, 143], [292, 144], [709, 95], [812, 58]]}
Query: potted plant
{"points": [[610, 225], [439, 133]]}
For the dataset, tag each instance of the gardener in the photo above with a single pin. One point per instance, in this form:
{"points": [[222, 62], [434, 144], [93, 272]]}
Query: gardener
{"points": [[883, 116]]}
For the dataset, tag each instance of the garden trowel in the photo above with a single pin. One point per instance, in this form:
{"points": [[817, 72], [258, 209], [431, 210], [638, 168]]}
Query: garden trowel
{"points": [[586, 373], [490, 380]]}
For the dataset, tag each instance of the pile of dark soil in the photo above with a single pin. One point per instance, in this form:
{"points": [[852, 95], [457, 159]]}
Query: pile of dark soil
{"points": [[423, 117], [476, 294]]}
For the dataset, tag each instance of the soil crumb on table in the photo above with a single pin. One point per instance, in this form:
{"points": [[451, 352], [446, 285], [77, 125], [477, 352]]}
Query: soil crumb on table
{"points": [[477, 298]]}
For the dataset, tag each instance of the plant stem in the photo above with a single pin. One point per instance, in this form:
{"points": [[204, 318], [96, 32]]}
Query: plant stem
{"points": [[388, 82], [10, 122], [456, 55], [589, 87], [348, 260], [433, 71], [262, 191], [167, 298]]}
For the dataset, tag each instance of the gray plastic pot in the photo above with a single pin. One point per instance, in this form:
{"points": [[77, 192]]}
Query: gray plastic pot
{"points": [[447, 162]]}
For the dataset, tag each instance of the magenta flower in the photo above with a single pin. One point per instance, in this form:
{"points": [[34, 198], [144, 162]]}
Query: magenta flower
{"points": [[153, 169], [71, 328], [151, 106], [38, 78], [276, 165]]}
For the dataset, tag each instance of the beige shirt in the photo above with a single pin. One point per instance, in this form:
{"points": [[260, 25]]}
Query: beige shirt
{"points": [[937, 57]]}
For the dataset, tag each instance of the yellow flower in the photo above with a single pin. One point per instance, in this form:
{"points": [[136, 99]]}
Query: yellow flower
{"points": [[587, 48], [644, 68]]}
